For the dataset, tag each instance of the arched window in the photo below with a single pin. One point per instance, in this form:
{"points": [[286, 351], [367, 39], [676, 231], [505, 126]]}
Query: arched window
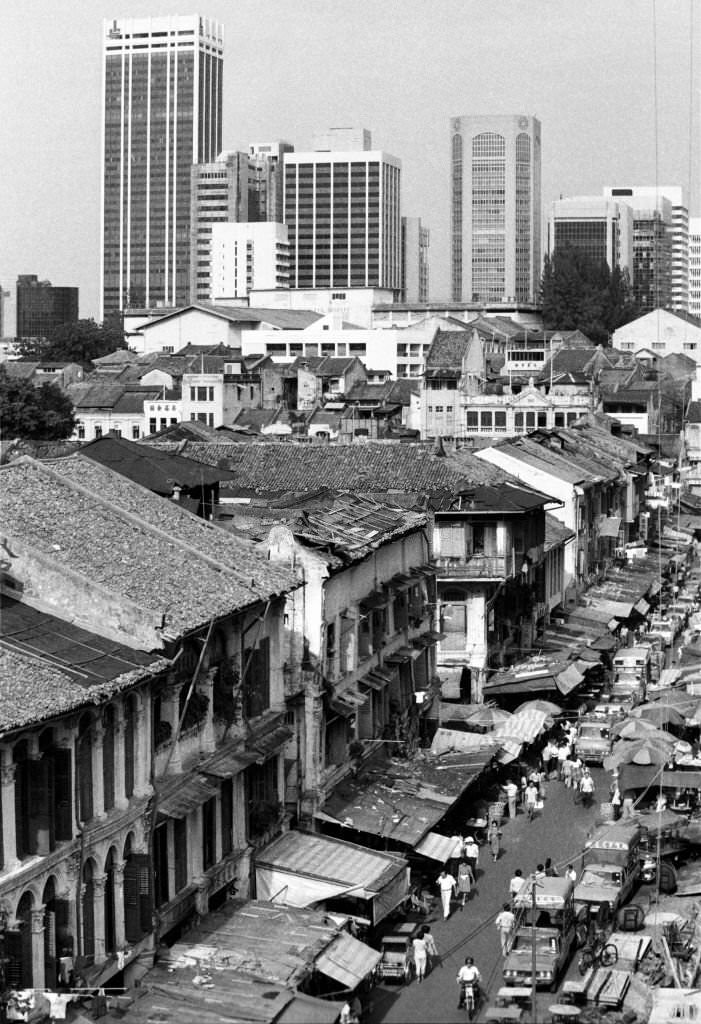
{"points": [[18, 947], [108, 721]]}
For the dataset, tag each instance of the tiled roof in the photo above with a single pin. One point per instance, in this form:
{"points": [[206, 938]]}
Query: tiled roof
{"points": [[276, 467], [547, 460], [281, 318], [503, 497], [96, 395], [448, 350], [20, 369], [555, 532], [693, 412], [157, 470], [141, 547]]}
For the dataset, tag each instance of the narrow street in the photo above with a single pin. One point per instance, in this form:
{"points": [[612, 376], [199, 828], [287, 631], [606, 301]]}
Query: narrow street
{"points": [[558, 832]]}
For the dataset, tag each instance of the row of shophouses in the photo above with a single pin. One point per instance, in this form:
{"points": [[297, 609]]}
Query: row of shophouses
{"points": [[177, 692]]}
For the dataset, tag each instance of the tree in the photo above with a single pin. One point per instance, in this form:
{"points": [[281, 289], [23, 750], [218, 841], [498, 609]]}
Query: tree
{"points": [[77, 342], [36, 414], [581, 293]]}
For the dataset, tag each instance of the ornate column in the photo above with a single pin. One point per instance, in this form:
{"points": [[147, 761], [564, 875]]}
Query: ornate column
{"points": [[142, 749], [172, 707], [9, 835], [37, 925], [119, 925], [98, 884], [98, 789], [208, 742], [120, 797]]}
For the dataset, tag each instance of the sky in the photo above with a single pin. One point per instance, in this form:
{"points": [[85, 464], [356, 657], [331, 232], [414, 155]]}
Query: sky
{"points": [[612, 82]]}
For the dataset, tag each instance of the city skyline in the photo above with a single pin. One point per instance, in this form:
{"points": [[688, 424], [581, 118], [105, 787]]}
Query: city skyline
{"points": [[588, 79]]}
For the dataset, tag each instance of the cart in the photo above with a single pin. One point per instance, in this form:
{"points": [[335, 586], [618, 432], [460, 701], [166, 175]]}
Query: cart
{"points": [[397, 961]]}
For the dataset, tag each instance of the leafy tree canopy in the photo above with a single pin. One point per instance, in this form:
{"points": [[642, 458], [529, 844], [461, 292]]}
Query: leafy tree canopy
{"points": [[77, 342], [580, 293], [35, 414]]}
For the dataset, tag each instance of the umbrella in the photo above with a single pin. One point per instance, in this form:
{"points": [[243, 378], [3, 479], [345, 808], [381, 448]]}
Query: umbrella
{"points": [[637, 729], [540, 705], [488, 717], [660, 714], [646, 752]]}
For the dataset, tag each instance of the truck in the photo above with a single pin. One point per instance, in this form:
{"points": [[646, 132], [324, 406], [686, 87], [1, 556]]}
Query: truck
{"points": [[593, 742], [546, 922], [631, 674], [610, 868]]}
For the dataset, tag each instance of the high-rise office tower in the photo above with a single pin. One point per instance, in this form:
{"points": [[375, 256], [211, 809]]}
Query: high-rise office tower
{"points": [[665, 247], [342, 207], [240, 188], [41, 307], [162, 112], [495, 208], [598, 227], [694, 265], [415, 244]]}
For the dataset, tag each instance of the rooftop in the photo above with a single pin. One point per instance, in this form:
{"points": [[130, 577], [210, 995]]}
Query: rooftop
{"points": [[158, 470]]}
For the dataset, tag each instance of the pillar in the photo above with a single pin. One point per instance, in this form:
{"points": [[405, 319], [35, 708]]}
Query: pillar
{"points": [[142, 749], [172, 706], [37, 924], [119, 926], [98, 791], [208, 741], [120, 797], [9, 834], [99, 882]]}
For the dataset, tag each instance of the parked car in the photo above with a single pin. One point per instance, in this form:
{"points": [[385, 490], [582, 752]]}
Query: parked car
{"points": [[397, 961], [593, 741]]}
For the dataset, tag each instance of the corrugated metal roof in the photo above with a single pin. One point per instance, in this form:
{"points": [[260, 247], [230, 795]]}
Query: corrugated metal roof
{"points": [[307, 853], [347, 960]]}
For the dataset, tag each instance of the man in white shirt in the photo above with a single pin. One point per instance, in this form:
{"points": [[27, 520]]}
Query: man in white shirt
{"points": [[468, 975], [516, 884], [505, 923], [587, 787], [511, 790], [446, 884]]}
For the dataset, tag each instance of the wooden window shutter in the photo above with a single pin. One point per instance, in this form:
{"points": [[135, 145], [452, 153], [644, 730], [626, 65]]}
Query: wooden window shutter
{"points": [[63, 794]]}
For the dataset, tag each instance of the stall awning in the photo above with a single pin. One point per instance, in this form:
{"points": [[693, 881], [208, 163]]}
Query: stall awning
{"points": [[436, 847], [189, 794], [347, 960], [568, 679], [531, 684], [523, 726], [609, 526], [641, 606], [633, 776], [459, 740]]}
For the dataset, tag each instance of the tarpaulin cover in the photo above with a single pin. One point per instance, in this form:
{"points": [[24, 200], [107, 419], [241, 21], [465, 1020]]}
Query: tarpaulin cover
{"points": [[610, 526], [347, 960], [568, 679], [524, 726], [457, 739], [436, 847]]}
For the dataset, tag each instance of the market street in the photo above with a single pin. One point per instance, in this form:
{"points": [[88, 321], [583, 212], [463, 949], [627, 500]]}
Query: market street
{"points": [[559, 832]]}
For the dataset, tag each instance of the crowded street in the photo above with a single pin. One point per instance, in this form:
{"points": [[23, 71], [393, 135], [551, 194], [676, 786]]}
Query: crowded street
{"points": [[559, 832]]}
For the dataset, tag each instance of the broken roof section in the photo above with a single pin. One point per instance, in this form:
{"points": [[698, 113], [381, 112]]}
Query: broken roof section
{"points": [[108, 535]]}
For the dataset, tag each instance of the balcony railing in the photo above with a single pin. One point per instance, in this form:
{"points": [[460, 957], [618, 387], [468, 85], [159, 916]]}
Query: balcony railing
{"points": [[475, 567]]}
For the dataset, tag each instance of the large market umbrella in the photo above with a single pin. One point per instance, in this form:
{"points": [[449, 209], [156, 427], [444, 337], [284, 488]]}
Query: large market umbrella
{"points": [[636, 729], [488, 717], [540, 705], [645, 752], [659, 714]]}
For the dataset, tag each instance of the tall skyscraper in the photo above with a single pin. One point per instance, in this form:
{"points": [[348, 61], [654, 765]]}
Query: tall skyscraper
{"points": [[661, 240], [495, 208], [41, 307], [598, 227], [236, 188], [162, 112], [415, 244], [342, 208], [694, 265]]}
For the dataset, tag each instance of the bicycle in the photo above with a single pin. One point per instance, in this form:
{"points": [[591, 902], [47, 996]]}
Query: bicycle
{"points": [[597, 953]]}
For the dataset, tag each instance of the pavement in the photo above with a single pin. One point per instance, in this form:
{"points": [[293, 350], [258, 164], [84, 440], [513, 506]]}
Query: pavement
{"points": [[558, 831]]}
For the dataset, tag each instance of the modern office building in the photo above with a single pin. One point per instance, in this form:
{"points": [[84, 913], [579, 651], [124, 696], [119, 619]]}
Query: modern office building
{"points": [[162, 113], [342, 207], [247, 257], [495, 208], [600, 228], [694, 265], [41, 307], [239, 188], [415, 244], [667, 243]]}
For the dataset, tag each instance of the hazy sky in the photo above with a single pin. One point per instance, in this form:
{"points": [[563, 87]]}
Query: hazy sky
{"points": [[401, 68]]}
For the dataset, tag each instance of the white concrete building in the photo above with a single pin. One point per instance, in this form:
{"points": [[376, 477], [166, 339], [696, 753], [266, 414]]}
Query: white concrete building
{"points": [[248, 256], [694, 263], [660, 333]]}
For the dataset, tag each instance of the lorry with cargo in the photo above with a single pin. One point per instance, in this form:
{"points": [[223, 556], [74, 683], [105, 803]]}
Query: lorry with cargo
{"points": [[545, 924]]}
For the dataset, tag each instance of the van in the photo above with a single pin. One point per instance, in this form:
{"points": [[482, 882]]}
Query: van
{"points": [[610, 867], [547, 918], [631, 673], [593, 742]]}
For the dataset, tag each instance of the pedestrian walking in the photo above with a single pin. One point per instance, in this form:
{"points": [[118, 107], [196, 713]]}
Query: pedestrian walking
{"points": [[542, 785], [505, 923], [616, 801], [446, 884], [576, 775], [420, 956], [571, 873], [431, 948], [511, 790], [465, 882], [494, 839], [531, 800], [587, 787], [563, 753], [472, 854], [550, 869], [516, 884], [539, 871], [456, 855]]}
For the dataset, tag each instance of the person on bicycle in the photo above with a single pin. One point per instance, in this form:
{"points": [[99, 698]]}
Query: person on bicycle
{"points": [[468, 975]]}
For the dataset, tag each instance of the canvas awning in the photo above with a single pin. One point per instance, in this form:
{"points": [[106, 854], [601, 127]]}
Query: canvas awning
{"points": [[347, 960], [609, 526], [523, 726], [543, 683], [459, 740], [436, 847], [186, 796], [568, 679], [642, 606]]}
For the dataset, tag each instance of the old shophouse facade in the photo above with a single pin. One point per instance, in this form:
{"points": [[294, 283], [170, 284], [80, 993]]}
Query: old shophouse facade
{"points": [[142, 731]]}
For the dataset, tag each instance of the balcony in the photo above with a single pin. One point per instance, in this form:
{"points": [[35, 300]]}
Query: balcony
{"points": [[475, 566]]}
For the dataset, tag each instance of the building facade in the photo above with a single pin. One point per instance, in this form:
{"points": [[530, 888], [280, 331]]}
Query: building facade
{"points": [[601, 229], [694, 264], [495, 208], [415, 244], [41, 307], [342, 208], [162, 112], [248, 256]]}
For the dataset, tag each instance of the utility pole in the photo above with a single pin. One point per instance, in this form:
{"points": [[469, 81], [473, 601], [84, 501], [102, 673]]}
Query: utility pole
{"points": [[534, 988]]}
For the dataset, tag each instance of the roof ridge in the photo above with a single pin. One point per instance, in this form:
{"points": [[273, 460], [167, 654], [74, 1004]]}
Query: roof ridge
{"points": [[129, 516]]}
